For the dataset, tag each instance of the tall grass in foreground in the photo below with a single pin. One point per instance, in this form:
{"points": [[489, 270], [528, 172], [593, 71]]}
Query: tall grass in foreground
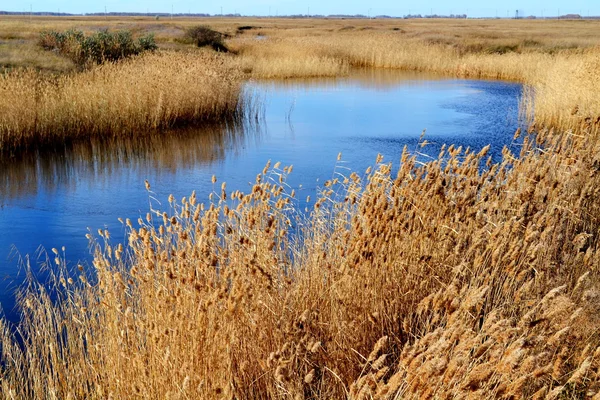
{"points": [[443, 280], [149, 92]]}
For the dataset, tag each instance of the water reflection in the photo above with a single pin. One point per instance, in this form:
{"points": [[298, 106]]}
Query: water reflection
{"points": [[100, 160], [367, 78]]}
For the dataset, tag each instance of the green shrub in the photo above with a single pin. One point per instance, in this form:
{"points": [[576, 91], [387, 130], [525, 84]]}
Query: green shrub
{"points": [[97, 48], [204, 36]]}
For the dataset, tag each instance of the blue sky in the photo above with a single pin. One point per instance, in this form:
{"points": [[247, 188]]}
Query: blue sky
{"points": [[474, 8]]}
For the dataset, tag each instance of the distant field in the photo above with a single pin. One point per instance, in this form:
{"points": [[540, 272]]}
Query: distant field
{"points": [[557, 58], [18, 34]]}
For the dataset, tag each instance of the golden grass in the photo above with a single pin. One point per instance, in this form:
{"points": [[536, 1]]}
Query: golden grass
{"points": [[282, 59], [443, 280], [555, 58], [563, 94], [28, 55], [150, 92], [562, 84]]}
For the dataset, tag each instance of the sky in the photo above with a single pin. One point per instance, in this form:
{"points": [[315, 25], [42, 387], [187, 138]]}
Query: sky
{"points": [[473, 8]]}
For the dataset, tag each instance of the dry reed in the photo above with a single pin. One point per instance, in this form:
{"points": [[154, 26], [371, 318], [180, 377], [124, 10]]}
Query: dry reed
{"points": [[561, 86], [455, 278], [150, 92], [443, 280]]}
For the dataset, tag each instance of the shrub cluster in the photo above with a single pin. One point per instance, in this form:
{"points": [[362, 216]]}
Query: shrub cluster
{"points": [[97, 48], [204, 36]]}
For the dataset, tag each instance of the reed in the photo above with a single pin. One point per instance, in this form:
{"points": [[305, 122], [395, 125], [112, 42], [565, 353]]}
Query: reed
{"points": [[557, 60], [443, 279], [147, 93], [278, 58], [451, 278]]}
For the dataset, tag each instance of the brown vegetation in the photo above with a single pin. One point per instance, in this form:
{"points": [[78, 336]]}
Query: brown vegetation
{"points": [[558, 60], [149, 92], [457, 278], [443, 280]]}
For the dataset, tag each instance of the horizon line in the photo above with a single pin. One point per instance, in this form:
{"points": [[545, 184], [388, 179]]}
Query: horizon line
{"points": [[317, 16]]}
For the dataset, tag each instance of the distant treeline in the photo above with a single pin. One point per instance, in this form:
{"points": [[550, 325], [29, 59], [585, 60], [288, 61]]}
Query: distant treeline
{"points": [[35, 13], [453, 16], [204, 15], [236, 15]]}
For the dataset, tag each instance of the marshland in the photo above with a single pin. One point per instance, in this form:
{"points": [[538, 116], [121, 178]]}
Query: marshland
{"points": [[206, 240]]}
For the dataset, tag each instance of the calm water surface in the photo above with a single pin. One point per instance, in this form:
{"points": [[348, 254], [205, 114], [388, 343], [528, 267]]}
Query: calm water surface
{"points": [[51, 199]]}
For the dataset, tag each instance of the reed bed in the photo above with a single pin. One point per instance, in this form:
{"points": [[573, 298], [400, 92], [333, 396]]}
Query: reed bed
{"points": [[448, 278], [282, 59], [147, 93], [445, 279], [557, 60]]}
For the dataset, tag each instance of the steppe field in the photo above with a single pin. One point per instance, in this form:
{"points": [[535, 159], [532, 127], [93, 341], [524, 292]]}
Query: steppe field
{"points": [[454, 278]]}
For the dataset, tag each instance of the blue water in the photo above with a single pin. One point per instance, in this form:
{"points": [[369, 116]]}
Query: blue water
{"points": [[50, 199]]}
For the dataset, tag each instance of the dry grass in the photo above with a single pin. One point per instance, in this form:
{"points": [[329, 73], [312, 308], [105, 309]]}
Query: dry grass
{"points": [[283, 59], [444, 280], [450, 279], [149, 92], [561, 73], [558, 59], [28, 55]]}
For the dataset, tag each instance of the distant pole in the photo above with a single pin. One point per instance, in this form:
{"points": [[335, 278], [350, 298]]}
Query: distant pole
{"points": [[30, 11], [308, 11], [221, 11], [171, 12], [105, 14], [269, 11]]}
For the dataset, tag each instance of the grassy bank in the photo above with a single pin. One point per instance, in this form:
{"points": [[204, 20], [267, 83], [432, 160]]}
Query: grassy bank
{"points": [[558, 60], [149, 92], [562, 79]]}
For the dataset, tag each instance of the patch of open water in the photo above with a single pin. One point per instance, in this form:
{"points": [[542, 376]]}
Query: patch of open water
{"points": [[50, 199]]}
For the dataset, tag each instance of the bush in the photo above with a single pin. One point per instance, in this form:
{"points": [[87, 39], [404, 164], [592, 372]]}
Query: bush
{"points": [[97, 48], [204, 36]]}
